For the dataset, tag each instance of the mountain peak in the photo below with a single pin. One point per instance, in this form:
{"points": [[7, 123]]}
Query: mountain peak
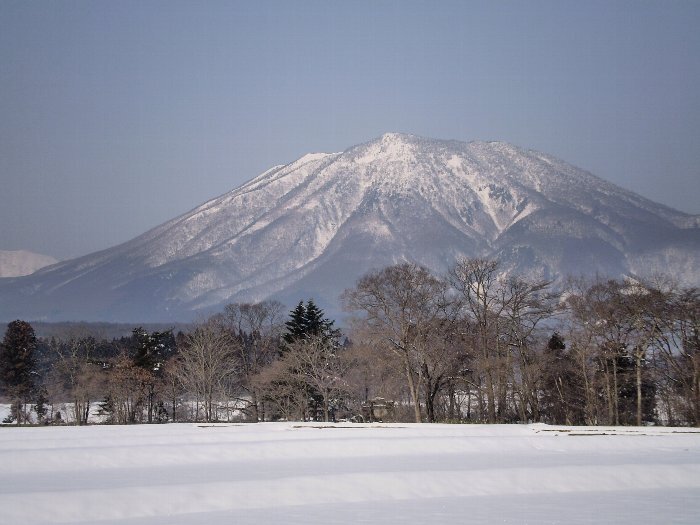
{"points": [[390, 147], [392, 137]]}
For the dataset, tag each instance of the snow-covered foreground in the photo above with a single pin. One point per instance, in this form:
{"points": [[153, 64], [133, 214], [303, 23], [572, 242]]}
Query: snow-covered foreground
{"points": [[318, 474]]}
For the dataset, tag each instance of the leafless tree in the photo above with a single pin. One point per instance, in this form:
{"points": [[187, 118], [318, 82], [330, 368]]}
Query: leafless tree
{"points": [[476, 284], [677, 347], [404, 308], [501, 314], [527, 305], [614, 323], [373, 374], [75, 376], [208, 365], [172, 387], [284, 392], [257, 329], [318, 363], [126, 391]]}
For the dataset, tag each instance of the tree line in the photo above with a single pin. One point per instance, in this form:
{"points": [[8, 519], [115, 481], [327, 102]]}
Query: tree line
{"points": [[478, 344]]}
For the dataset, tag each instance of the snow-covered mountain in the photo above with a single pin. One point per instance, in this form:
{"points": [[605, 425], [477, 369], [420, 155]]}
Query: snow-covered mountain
{"points": [[17, 263], [312, 227]]}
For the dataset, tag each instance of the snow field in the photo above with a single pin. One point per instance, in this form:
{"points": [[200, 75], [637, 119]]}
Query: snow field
{"points": [[311, 473]]}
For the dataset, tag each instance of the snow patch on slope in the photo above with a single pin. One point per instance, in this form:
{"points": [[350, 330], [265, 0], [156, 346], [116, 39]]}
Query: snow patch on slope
{"points": [[18, 263]]}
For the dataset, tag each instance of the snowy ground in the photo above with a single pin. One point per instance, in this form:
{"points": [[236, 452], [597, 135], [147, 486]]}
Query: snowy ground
{"points": [[317, 474]]}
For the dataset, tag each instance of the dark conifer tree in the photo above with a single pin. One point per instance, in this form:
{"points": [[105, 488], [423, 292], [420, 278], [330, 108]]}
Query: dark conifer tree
{"points": [[318, 324], [556, 345], [151, 351], [297, 324], [40, 408], [309, 320], [107, 409], [17, 364]]}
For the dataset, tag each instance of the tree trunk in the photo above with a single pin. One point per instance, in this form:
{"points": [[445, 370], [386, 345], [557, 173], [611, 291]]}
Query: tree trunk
{"points": [[490, 398], [430, 393], [452, 403], [696, 395], [615, 394], [638, 356], [254, 402], [412, 389], [150, 403]]}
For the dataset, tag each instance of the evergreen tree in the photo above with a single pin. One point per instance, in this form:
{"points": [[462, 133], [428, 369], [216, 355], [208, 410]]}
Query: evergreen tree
{"points": [[151, 351], [309, 320], [296, 326], [556, 345], [317, 324], [40, 407], [17, 364], [107, 410]]}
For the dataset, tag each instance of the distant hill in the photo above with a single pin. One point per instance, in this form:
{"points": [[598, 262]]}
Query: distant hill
{"points": [[312, 227], [99, 330], [21, 262]]}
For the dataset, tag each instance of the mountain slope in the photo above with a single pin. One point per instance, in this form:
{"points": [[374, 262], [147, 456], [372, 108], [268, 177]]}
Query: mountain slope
{"points": [[312, 227], [21, 262]]}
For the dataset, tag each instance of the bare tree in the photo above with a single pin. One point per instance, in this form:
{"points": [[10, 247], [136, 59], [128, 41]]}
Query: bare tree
{"points": [[75, 375], [208, 364], [286, 395], [173, 389], [126, 391], [403, 307], [582, 336], [257, 329], [319, 364], [373, 374], [476, 282], [502, 314], [677, 347], [527, 305], [613, 323]]}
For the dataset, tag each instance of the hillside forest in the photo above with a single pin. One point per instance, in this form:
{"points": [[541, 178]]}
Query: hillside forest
{"points": [[476, 345]]}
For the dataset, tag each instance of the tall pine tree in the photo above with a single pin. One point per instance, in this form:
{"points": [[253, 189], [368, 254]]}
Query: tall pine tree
{"points": [[317, 324], [296, 326], [151, 351], [309, 320], [17, 365]]}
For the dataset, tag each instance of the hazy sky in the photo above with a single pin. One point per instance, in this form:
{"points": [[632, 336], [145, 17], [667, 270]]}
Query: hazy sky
{"points": [[117, 116]]}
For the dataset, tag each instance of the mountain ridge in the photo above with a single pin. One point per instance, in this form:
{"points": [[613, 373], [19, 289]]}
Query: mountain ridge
{"points": [[295, 229]]}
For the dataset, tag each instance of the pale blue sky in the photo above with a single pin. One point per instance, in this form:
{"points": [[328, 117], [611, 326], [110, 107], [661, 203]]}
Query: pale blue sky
{"points": [[117, 116]]}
